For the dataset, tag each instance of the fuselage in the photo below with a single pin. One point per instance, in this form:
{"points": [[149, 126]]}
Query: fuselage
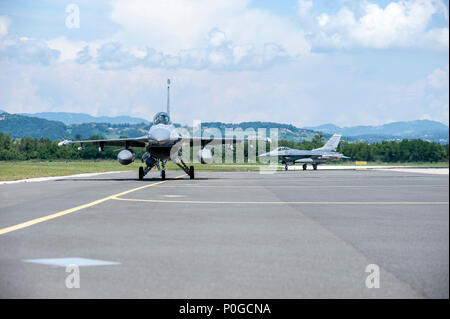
{"points": [[291, 156], [163, 137]]}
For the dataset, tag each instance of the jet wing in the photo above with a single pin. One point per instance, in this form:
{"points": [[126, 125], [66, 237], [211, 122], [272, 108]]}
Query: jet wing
{"points": [[135, 142], [294, 152], [214, 141]]}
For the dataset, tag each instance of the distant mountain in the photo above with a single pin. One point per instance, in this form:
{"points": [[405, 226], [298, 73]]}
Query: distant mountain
{"points": [[423, 129], [80, 118], [285, 131], [325, 128]]}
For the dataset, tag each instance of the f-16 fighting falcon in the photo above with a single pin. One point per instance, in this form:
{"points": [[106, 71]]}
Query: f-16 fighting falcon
{"points": [[163, 142], [289, 156]]}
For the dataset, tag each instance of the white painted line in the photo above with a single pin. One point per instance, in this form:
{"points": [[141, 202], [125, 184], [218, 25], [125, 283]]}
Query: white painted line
{"points": [[52, 178], [64, 262], [431, 171], [353, 167], [298, 167]]}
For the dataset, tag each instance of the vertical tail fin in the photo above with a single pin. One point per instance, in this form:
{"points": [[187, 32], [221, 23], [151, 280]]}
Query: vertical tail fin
{"points": [[331, 144]]}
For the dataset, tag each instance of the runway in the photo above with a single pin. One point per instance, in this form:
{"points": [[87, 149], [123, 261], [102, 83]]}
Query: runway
{"points": [[293, 234]]}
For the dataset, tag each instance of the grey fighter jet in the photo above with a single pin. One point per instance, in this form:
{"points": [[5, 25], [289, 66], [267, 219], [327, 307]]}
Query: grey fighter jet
{"points": [[289, 156], [162, 143]]}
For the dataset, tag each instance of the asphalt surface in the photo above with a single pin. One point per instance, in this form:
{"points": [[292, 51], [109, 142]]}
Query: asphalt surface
{"points": [[291, 234]]}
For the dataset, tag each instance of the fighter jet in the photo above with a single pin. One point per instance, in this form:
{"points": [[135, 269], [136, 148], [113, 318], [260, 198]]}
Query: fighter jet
{"points": [[289, 156], [162, 143]]}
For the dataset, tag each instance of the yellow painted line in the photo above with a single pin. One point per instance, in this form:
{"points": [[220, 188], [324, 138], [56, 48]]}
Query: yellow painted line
{"points": [[75, 209], [275, 203]]}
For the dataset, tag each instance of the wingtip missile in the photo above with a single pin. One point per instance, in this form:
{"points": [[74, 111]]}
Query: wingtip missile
{"points": [[64, 143]]}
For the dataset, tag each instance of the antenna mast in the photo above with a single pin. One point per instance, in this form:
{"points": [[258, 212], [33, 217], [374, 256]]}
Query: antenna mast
{"points": [[168, 97]]}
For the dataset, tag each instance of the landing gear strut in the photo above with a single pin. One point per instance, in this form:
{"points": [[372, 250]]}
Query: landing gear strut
{"points": [[163, 170], [304, 167], [143, 172], [188, 170], [150, 164], [285, 167], [315, 167]]}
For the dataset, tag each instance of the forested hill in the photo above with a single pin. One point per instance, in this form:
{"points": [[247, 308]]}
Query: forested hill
{"points": [[19, 126], [22, 126], [23, 137]]}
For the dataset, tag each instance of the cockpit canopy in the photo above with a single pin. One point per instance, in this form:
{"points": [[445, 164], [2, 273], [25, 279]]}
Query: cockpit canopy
{"points": [[161, 118], [282, 148]]}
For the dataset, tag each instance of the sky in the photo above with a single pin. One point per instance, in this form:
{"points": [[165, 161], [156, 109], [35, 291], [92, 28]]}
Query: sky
{"points": [[301, 62]]}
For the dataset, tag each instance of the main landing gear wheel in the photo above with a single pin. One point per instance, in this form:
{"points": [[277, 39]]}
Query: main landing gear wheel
{"points": [[163, 175], [304, 167], [286, 167], [141, 173], [315, 167], [188, 170]]}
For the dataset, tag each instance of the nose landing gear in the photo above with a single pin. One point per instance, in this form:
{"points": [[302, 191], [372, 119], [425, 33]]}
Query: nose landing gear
{"points": [[188, 170], [163, 170]]}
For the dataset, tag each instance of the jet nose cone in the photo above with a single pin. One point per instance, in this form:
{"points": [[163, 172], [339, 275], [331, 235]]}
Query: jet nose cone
{"points": [[160, 135]]}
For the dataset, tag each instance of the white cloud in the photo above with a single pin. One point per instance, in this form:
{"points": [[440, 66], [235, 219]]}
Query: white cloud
{"points": [[304, 6], [29, 51], [400, 24], [216, 37], [292, 92], [439, 78], [230, 63], [217, 54], [437, 94], [323, 19], [68, 49], [438, 36], [113, 56], [5, 22], [171, 25], [83, 55], [175, 25]]}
